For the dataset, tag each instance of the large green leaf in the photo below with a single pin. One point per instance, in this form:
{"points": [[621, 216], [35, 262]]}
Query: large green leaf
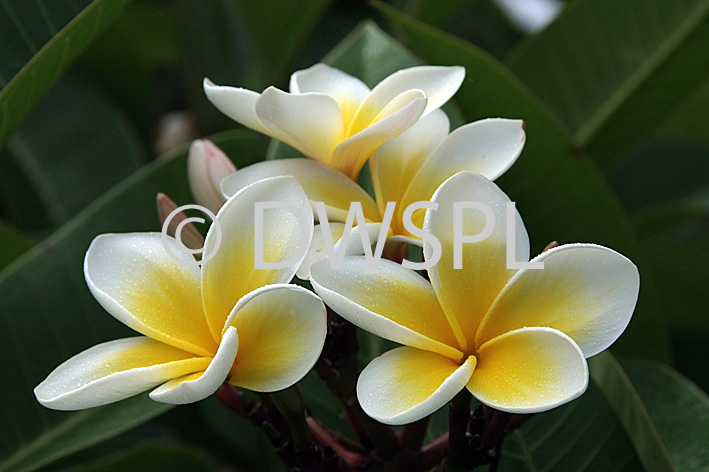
{"points": [[71, 149], [121, 63], [13, 244], [679, 410], [675, 235], [479, 21], [154, 456], [630, 412], [649, 418], [583, 435], [277, 33], [612, 71], [245, 43], [560, 196], [39, 40], [49, 315]]}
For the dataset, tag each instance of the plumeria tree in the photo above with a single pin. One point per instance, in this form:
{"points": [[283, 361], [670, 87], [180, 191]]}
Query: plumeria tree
{"points": [[469, 237]]}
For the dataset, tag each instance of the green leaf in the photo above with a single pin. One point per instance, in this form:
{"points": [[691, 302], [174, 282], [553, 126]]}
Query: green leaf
{"points": [[675, 236], [244, 43], [661, 171], [612, 71], [40, 39], [13, 245], [679, 410], [71, 149], [688, 122], [628, 408], [277, 32], [560, 196], [582, 435], [645, 418], [48, 314], [59, 434], [155, 457], [121, 64], [479, 21]]}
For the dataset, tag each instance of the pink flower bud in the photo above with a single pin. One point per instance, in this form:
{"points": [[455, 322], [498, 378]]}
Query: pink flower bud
{"points": [[207, 165]]}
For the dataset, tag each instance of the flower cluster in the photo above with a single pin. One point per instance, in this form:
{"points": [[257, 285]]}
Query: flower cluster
{"points": [[516, 339]]}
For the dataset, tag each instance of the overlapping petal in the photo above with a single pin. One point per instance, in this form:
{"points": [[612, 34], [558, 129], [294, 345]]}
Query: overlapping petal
{"points": [[310, 122], [487, 147], [529, 370], [350, 155], [318, 249], [348, 91], [438, 83], [586, 291], [113, 371], [466, 294], [394, 164], [282, 331], [134, 278], [392, 302], [320, 182], [237, 103], [406, 384], [232, 272], [195, 387]]}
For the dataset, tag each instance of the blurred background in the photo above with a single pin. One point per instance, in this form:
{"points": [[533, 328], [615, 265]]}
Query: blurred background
{"points": [[99, 99]]}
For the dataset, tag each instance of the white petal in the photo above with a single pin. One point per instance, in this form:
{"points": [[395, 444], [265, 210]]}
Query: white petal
{"points": [[309, 122], [187, 390], [390, 301], [113, 371], [348, 91], [318, 249], [135, 279], [586, 291], [351, 154], [320, 182], [232, 272], [237, 103], [487, 147], [406, 384], [282, 331], [528, 371], [467, 293], [438, 83]]}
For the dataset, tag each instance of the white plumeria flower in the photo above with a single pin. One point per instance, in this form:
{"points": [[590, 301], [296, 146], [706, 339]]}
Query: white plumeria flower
{"points": [[516, 339], [335, 118], [207, 166], [227, 321], [405, 170]]}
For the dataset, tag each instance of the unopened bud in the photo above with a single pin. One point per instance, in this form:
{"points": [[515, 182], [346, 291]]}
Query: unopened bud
{"points": [[207, 165], [551, 245], [190, 236]]}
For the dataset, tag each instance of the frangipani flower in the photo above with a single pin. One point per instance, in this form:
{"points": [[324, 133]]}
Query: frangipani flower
{"points": [[406, 169], [516, 339], [335, 118], [227, 321]]}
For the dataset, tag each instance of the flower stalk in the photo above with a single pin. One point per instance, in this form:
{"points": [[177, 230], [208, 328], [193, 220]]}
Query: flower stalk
{"points": [[458, 417]]}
